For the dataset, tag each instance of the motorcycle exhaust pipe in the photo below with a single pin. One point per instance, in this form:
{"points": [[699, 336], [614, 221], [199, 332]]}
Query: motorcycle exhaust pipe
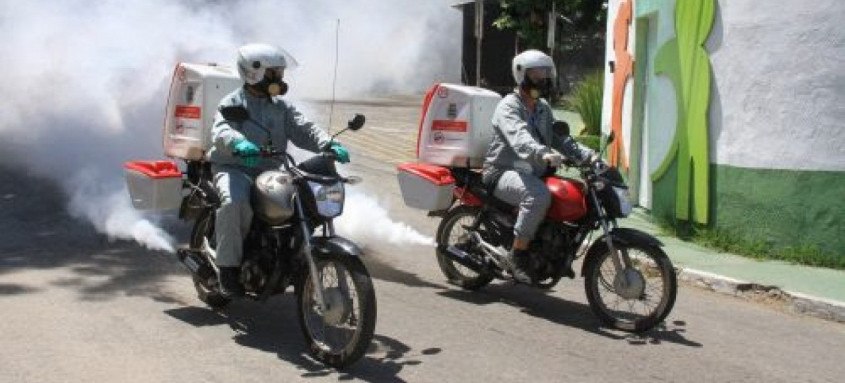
{"points": [[463, 258], [194, 262]]}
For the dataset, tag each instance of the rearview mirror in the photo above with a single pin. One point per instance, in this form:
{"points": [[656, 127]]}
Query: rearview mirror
{"points": [[235, 113], [611, 137], [356, 122], [560, 128]]}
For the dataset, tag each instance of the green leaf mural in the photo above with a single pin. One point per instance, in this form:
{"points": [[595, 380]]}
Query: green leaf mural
{"points": [[685, 62]]}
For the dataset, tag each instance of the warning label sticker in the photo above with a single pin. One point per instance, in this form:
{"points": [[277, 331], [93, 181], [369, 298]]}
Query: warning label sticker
{"points": [[187, 111], [449, 125]]}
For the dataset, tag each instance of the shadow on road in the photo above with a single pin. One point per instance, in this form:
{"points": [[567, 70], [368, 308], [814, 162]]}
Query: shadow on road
{"points": [[573, 314], [273, 327], [381, 270], [36, 232]]}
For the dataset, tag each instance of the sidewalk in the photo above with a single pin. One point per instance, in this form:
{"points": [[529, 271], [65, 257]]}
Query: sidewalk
{"points": [[805, 290]]}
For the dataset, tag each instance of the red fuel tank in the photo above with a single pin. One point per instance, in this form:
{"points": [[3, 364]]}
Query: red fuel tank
{"points": [[568, 199]]}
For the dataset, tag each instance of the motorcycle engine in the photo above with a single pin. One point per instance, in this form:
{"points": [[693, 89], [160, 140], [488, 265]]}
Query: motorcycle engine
{"points": [[551, 252], [273, 196]]}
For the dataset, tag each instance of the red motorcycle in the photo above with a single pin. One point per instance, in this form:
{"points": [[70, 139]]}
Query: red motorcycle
{"points": [[629, 281]]}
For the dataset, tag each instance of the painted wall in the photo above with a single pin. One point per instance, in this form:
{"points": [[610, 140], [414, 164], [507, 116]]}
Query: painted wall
{"points": [[775, 121], [779, 84]]}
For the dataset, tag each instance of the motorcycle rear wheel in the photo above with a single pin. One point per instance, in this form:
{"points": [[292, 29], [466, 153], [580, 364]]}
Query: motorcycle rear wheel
{"points": [[208, 290], [641, 305], [339, 336], [451, 232]]}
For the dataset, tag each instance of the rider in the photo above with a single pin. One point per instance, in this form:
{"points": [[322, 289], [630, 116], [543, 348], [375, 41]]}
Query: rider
{"points": [[235, 150], [523, 147]]}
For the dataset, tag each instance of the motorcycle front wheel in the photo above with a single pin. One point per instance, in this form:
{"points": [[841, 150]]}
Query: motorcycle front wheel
{"points": [[453, 231], [340, 334], [636, 299]]}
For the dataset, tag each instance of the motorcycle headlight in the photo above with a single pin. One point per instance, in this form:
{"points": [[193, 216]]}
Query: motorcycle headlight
{"points": [[624, 201], [329, 198]]}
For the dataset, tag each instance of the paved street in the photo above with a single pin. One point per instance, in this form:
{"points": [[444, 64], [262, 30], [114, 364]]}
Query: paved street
{"points": [[79, 308]]}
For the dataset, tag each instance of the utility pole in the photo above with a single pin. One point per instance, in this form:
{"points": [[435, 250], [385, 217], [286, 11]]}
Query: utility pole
{"points": [[552, 30], [479, 35]]}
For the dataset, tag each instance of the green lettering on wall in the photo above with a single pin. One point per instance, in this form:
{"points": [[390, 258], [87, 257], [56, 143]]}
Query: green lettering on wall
{"points": [[685, 62]]}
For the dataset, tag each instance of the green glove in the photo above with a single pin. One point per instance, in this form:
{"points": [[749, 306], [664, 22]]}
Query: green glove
{"points": [[341, 152], [247, 151]]}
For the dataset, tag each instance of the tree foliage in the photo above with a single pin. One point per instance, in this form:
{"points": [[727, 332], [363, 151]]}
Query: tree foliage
{"points": [[579, 24]]}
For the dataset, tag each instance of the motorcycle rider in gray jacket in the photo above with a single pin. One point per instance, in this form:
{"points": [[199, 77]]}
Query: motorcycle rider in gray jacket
{"points": [[235, 152], [523, 147]]}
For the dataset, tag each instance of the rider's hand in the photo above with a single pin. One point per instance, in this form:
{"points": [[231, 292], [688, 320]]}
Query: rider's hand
{"points": [[554, 159], [591, 159], [247, 151], [340, 152]]}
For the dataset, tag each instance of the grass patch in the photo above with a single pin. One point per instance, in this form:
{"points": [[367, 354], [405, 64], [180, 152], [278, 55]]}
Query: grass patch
{"points": [[732, 242]]}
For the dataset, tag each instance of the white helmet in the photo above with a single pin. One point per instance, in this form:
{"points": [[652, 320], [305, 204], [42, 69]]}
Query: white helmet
{"points": [[254, 59], [532, 59]]}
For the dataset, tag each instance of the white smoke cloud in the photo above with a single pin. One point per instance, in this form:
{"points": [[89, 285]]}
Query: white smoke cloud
{"points": [[366, 220], [85, 83]]}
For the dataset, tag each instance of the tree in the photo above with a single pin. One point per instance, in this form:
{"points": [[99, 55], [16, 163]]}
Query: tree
{"points": [[580, 23], [580, 27]]}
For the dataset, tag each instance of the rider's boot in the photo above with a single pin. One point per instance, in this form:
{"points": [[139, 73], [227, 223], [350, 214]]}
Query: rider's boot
{"points": [[518, 262], [230, 286]]}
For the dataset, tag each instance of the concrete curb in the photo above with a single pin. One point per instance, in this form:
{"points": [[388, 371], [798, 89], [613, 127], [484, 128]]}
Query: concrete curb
{"points": [[794, 302]]}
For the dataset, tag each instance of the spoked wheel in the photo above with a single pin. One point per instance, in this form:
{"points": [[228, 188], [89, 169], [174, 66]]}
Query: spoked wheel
{"points": [[341, 334], [203, 238], [636, 299], [452, 232]]}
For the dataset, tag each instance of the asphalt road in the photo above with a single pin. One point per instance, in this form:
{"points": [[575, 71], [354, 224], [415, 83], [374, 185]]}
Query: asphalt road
{"points": [[77, 307]]}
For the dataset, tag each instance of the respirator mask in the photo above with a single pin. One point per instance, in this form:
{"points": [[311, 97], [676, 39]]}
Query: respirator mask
{"points": [[538, 82], [272, 83]]}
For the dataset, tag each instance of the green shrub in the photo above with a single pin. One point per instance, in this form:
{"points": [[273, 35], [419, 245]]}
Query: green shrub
{"points": [[591, 142], [586, 99]]}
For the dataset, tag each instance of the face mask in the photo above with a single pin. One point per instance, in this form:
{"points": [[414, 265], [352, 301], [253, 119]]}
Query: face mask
{"points": [[272, 88], [539, 89]]}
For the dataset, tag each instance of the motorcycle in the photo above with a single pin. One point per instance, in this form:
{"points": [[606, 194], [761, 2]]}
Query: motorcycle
{"points": [[335, 297], [630, 282]]}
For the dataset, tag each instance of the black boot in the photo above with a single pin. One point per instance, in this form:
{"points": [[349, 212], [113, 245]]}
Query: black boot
{"points": [[518, 262], [230, 286]]}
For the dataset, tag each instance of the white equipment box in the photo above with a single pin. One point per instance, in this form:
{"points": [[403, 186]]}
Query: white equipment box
{"points": [[456, 125], [154, 185], [195, 92]]}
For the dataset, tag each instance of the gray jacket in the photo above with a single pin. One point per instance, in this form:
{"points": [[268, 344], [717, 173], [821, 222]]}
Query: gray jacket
{"points": [[280, 117], [520, 139]]}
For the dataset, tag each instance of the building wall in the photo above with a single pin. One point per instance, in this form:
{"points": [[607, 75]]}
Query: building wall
{"points": [[775, 119]]}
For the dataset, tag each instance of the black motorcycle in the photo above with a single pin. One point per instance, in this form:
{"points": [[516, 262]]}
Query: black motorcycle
{"points": [[291, 241]]}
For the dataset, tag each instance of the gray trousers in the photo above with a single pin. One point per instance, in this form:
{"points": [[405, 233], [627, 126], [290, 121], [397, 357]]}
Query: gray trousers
{"points": [[234, 215], [531, 195]]}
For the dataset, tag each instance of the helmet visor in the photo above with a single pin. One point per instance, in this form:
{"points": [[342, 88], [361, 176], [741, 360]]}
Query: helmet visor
{"points": [[290, 62], [538, 74]]}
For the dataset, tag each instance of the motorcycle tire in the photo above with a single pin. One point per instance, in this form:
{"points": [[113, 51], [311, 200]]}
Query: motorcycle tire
{"points": [[207, 289], [450, 232], [654, 274], [357, 321]]}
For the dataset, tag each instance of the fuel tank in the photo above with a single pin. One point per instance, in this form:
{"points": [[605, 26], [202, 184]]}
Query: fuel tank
{"points": [[569, 201], [273, 196]]}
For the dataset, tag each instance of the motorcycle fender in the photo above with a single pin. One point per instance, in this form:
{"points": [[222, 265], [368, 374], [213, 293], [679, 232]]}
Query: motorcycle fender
{"points": [[621, 235], [336, 245]]}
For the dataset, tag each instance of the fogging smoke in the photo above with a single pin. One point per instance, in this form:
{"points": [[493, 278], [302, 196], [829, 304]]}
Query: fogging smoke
{"points": [[85, 83], [112, 213], [366, 220]]}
